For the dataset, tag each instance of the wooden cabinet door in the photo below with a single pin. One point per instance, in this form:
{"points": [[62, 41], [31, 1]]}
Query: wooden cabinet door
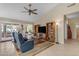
{"points": [[50, 31], [78, 33], [36, 28]]}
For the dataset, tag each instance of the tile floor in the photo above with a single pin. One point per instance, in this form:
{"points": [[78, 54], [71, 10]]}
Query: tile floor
{"points": [[70, 48], [7, 49]]}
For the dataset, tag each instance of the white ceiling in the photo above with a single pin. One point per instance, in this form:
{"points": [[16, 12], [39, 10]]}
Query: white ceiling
{"points": [[14, 10], [74, 15]]}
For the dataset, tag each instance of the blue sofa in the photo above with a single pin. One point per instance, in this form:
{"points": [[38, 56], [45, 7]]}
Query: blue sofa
{"points": [[22, 44]]}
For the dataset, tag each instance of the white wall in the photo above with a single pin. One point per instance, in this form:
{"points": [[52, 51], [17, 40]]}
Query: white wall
{"points": [[65, 31], [0, 32], [65, 26], [58, 14]]}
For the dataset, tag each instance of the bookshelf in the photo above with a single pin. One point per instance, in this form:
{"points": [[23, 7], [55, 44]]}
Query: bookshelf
{"points": [[50, 31]]}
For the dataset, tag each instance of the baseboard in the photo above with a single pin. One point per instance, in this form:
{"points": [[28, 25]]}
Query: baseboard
{"points": [[5, 41]]}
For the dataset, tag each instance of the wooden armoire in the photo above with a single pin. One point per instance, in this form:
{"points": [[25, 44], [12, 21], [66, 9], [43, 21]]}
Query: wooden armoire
{"points": [[36, 28], [50, 31]]}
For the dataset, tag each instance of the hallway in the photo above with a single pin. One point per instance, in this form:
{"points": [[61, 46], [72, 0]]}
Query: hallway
{"points": [[70, 48]]}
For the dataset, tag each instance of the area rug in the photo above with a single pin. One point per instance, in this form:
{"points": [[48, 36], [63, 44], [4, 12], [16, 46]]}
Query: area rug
{"points": [[37, 49]]}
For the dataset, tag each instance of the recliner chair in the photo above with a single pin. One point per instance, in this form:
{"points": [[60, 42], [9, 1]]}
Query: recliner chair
{"points": [[22, 45]]}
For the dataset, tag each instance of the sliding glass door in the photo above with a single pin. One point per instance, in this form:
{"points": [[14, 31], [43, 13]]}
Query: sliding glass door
{"points": [[7, 30]]}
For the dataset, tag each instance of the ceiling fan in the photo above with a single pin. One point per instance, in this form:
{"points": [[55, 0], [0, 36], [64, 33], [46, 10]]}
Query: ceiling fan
{"points": [[71, 5], [29, 10]]}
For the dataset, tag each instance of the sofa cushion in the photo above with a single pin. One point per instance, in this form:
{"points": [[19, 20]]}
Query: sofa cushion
{"points": [[21, 39], [14, 36], [25, 38]]}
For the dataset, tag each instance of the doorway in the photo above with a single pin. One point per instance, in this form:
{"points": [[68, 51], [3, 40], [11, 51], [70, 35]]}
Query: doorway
{"points": [[77, 31], [71, 26]]}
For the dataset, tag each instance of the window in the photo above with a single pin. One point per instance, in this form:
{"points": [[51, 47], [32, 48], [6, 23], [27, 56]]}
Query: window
{"points": [[9, 28], [29, 28], [2, 27]]}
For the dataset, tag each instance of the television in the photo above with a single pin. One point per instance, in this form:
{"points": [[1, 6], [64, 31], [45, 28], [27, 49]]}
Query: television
{"points": [[42, 29]]}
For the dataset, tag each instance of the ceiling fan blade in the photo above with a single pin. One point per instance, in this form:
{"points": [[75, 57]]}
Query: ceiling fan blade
{"points": [[30, 5], [71, 5], [35, 10], [34, 13], [26, 8]]}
